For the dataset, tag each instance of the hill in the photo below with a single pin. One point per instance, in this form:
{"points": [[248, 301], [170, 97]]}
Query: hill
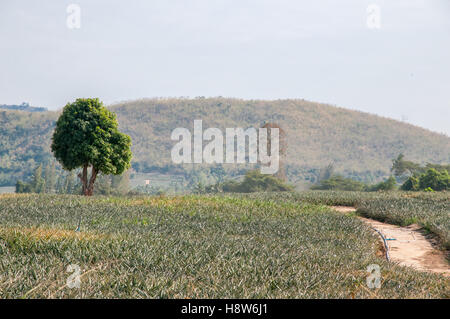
{"points": [[23, 107], [360, 145]]}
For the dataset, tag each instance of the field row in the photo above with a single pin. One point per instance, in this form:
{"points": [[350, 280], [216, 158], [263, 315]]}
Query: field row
{"points": [[193, 247], [429, 210]]}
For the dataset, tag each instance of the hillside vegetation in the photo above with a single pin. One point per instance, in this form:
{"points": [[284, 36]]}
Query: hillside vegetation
{"points": [[24, 143], [23, 107], [360, 145]]}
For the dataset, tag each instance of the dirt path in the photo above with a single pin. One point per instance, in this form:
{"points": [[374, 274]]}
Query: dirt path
{"points": [[407, 245]]}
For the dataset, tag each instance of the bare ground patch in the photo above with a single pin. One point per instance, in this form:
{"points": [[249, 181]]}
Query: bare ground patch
{"points": [[40, 233], [408, 246]]}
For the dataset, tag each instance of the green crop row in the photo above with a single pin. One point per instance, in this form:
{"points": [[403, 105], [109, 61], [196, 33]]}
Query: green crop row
{"points": [[193, 247]]}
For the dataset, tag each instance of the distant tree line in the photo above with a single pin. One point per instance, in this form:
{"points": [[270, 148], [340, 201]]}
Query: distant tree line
{"points": [[430, 177], [49, 180], [53, 180], [338, 182], [23, 107], [411, 177], [253, 181]]}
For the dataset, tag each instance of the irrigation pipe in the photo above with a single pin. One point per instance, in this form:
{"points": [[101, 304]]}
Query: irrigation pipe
{"points": [[386, 247], [79, 225], [385, 243]]}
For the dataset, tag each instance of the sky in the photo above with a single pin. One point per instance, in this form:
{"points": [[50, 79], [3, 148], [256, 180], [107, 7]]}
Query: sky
{"points": [[390, 58]]}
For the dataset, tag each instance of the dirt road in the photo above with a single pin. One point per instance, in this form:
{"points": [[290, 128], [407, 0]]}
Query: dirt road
{"points": [[407, 245]]}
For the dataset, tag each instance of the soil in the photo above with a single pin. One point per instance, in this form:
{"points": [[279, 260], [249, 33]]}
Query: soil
{"points": [[408, 246]]}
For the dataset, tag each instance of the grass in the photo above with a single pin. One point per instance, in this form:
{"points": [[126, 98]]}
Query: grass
{"points": [[193, 247]]}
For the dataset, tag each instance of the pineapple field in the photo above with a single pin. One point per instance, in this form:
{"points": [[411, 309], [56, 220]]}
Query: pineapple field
{"points": [[265, 245]]}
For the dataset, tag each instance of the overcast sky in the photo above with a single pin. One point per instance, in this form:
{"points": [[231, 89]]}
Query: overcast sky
{"points": [[321, 50]]}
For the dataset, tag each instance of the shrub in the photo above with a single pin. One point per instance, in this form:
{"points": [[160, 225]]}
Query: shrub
{"points": [[431, 179], [337, 182], [411, 184], [438, 181], [387, 185], [254, 181]]}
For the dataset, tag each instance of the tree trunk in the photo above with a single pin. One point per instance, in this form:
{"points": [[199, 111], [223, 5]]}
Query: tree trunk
{"points": [[83, 179], [88, 187]]}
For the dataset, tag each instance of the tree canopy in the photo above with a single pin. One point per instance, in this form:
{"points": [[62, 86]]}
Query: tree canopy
{"points": [[87, 135], [432, 179]]}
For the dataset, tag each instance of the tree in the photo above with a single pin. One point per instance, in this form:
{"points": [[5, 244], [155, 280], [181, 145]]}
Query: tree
{"points": [[338, 182], [104, 185], [434, 179], [22, 187], [401, 167], [253, 181], [120, 184], [50, 177], [388, 185], [326, 172], [87, 135], [218, 172], [69, 183], [282, 148], [113, 184], [60, 184], [38, 183], [199, 188], [411, 184]]}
